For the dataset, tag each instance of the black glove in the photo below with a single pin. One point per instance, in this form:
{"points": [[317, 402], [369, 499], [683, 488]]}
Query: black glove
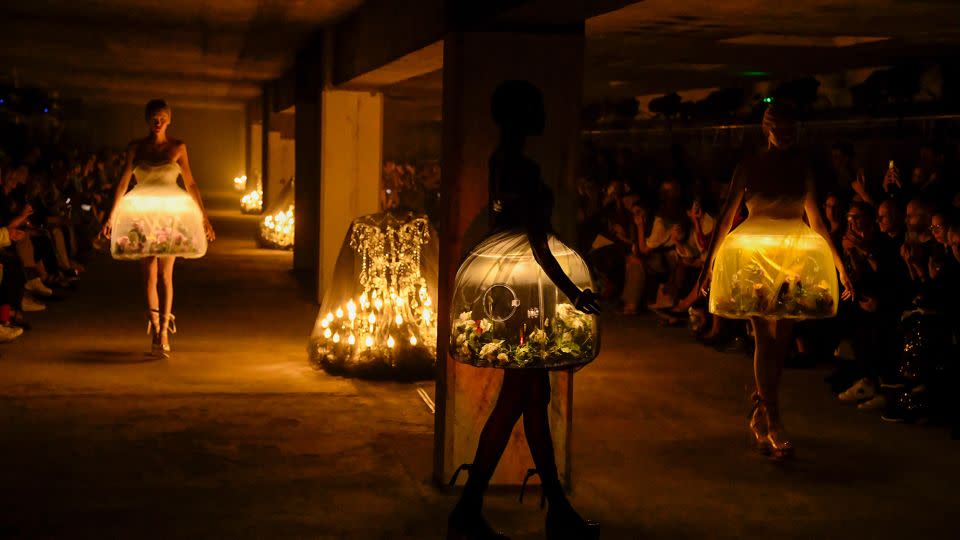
{"points": [[587, 302]]}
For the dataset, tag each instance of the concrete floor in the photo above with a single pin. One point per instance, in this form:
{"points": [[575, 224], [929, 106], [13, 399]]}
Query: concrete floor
{"points": [[236, 436]]}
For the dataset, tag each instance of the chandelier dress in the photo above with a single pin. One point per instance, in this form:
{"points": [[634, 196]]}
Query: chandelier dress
{"points": [[378, 319], [157, 218], [774, 266], [506, 312]]}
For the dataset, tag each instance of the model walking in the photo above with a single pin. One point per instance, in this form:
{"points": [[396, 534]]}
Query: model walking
{"points": [[516, 308], [774, 268], [157, 221]]}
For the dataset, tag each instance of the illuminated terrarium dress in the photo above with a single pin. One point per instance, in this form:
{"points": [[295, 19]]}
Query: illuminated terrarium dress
{"points": [[506, 312], [276, 229], [378, 318], [774, 267], [157, 218]]}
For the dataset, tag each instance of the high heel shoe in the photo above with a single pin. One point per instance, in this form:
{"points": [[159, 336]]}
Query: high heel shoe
{"points": [[758, 426], [780, 447], [566, 524], [471, 526], [770, 436], [169, 326], [153, 330]]}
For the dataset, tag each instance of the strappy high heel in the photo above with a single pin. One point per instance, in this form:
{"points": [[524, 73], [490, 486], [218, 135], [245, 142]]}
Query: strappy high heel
{"points": [[758, 425], [153, 330], [770, 436], [169, 326]]}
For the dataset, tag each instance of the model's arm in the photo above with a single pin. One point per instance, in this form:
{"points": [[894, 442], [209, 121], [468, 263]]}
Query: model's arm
{"points": [[584, 300], [121, 189], [722, 228], [194, 190], [819, 226]]}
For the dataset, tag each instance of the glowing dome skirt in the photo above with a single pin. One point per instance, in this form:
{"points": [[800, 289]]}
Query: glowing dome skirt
{"points": [[157, 220], [507, 313], [774, 269], [378, 319]]}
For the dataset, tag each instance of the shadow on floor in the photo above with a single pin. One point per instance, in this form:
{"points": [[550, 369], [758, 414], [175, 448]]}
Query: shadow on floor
{"points": [[111, 357]]}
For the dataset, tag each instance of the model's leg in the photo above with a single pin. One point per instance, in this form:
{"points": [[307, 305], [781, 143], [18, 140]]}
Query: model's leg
{"points": [[562, 520], [167, 325], [772, 340], [149, 265], [466, 520]]}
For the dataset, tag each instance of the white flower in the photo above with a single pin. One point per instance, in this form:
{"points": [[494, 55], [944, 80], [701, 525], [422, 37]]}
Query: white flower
{"points": [[461, 338], [538, 336], [503, 358], [567, 337], [465, 349], [490, 349], [465, 316], [565, 311], [486, 325]]}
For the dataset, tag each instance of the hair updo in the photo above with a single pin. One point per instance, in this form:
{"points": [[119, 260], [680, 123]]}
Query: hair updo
{"points": [[518, 105], [154, 106]]}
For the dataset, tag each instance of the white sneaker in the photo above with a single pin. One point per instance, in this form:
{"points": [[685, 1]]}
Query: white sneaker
{"points": [[37, 287], [30, 305], [860, 391], [877, 402], [9, 333]]}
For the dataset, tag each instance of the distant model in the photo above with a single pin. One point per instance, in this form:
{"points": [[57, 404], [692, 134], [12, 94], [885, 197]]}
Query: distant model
{"points": [[516, 308], [157, 221], [773, 269]]}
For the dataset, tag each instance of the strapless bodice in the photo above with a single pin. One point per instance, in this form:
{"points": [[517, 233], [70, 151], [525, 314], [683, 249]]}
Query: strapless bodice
{"points": [[163, 173]]}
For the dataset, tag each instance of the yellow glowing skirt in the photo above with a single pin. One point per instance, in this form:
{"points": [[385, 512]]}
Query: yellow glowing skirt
{"points": [[507, 313], [157, 221], [774, 269]]}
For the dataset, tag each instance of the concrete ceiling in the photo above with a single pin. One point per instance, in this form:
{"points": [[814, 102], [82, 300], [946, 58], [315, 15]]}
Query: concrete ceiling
{"points": [[192, 52], [664, 45], [657, 46], [216, 53]]}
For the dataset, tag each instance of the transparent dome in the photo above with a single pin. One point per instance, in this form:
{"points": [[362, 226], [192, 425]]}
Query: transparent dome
{"points": [[277, 224], [507, 313], [157, 218], [779, 269], [378, 318]]}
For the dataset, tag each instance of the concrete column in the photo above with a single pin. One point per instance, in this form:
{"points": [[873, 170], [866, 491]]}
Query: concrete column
{"points": [[351, 143], [308, 98], [266, 112], [474, 63]]}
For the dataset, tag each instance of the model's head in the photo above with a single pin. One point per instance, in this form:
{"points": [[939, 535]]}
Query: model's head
{"points": [[780, 125], [157, 114], [517, 107]]}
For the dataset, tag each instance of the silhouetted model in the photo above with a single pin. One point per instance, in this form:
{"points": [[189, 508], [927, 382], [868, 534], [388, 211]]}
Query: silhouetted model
{"points": [[773, 268], [157, 221], [500, 303]]}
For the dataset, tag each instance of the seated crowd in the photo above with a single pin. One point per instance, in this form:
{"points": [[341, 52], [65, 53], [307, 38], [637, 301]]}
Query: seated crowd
{"points": [[51, 205], [894, 346]]}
